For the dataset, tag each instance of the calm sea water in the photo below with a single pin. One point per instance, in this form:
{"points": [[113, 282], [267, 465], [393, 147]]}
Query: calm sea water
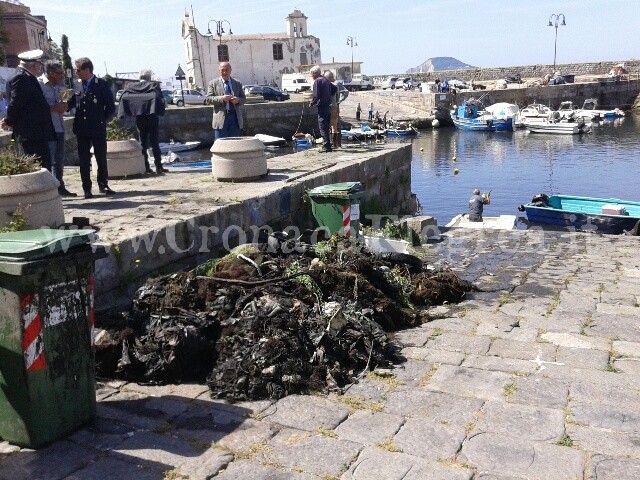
{"points": [[517, 165]]}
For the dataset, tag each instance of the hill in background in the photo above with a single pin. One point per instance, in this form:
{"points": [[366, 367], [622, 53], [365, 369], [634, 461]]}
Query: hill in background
{"points": [[440, 63]]}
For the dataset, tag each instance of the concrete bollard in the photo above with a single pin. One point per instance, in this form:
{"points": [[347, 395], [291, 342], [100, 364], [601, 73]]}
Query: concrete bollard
{"points": [[239, 159]]}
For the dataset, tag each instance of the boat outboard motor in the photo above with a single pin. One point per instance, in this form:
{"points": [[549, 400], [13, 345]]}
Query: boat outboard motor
{"points": [[540, 200]]}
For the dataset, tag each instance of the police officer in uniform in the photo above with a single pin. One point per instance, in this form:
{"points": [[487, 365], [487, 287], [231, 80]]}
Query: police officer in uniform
{"points": [[28, 112], [95, 106]]}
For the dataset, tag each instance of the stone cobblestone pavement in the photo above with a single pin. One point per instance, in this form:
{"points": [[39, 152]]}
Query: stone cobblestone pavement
{"points": [[534, 378]]}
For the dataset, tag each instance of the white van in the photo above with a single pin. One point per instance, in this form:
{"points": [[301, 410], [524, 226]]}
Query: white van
{"points": [[295, 82]]}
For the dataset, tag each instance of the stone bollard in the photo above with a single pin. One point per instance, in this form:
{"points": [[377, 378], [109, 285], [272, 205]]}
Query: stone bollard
{"points": [[239, 159], [124, 159]]}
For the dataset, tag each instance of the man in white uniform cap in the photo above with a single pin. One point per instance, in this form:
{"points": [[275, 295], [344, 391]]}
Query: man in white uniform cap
{"points": [[28, 113]]}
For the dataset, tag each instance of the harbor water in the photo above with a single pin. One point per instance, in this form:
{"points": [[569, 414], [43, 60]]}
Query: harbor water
{"points": [[449, 163]]}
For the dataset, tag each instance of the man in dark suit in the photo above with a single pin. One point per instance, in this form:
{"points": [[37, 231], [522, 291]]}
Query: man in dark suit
{"points": [[28, 113], [94, 106], [227, 97]]}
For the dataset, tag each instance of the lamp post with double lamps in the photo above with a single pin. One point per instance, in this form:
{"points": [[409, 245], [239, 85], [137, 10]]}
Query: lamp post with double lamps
{"points": [[553, 22], [351, 41], [219, 28]]}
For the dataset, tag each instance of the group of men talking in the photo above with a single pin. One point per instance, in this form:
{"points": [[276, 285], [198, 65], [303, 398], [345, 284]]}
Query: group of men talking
{"points": [[36, 108]]}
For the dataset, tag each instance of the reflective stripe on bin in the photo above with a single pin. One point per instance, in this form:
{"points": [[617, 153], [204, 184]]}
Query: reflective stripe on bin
{"points": [[90, 315], [32, 341], [346, 220]]}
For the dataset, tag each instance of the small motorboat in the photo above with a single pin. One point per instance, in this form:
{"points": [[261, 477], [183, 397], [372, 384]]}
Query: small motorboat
{"points": [[557, 124], [178, 146], [471, 116], [503, 222], [534, 110], [270, 141], [601, 215], [400, 130], [590, 105], [365, 132]]}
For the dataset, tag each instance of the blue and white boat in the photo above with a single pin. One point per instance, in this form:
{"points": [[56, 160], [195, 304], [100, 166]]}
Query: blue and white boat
{"points": [[365, 132], [601, 215], [471, 116]]}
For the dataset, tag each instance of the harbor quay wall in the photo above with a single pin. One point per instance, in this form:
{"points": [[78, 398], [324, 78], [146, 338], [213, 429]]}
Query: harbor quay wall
{"points": [[525, 71], [194, 228]]}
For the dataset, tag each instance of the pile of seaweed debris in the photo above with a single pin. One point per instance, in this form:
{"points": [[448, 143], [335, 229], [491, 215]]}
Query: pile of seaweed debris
{"points": [[261, 325]]}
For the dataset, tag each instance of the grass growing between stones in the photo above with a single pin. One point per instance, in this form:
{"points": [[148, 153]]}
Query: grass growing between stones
{"points": [[255, 449], [359, 403], [427, 376], [613, 356], [509, 389], [173, 475], [326, 432], [389, 446], [555, 301], [586, 323], [391, 383], [565, 441]]}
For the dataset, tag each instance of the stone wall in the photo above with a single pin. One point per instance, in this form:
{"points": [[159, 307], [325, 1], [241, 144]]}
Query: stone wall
{"points": [[526, 71]]}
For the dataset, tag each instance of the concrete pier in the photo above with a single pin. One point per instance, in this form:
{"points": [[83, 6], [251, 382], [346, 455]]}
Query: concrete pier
{"points": [[536, 379]]}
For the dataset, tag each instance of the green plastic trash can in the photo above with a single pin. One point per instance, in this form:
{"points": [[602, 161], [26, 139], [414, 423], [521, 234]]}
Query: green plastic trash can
{"points": [[47, 376], [337, 207]]}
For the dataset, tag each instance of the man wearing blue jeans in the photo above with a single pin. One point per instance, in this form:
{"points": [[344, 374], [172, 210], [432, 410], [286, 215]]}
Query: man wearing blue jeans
{"points": [[227, 97], [50, 84]]}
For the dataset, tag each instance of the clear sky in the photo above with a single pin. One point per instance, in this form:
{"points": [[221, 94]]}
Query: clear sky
{"points": [[392, 35]]}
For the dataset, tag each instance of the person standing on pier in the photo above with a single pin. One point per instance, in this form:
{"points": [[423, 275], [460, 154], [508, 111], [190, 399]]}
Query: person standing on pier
{"points": [[51, 82], [341, 94], [227, 97], [144, 100], [476, 205], [370, 110], [28, 112], [358, 111], [95, 107], [323, 91]]}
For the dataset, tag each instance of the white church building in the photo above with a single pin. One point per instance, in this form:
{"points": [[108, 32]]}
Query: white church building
{"points": [[260, 58]]}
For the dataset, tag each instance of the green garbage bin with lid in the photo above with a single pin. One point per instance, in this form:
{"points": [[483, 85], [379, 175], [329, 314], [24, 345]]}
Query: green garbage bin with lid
{"points": [[337, 207], [47, 375]]}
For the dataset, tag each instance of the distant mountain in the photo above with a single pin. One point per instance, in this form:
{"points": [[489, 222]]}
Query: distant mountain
{"points": [[440, 63]]}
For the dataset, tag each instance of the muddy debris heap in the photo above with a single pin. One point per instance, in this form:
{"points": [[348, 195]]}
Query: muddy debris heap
{"points": [[260, 323]]}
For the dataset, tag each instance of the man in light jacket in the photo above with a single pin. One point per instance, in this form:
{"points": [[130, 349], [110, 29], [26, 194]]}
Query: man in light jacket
{"points": [[227, 97]]}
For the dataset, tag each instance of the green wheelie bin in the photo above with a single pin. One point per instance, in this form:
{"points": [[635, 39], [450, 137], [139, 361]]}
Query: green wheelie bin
{"points": [[337, 207], [47, 375]]}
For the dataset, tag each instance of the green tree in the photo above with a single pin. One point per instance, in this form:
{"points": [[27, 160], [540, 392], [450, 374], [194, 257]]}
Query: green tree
{"points": [[66, 59], [55, 52]]}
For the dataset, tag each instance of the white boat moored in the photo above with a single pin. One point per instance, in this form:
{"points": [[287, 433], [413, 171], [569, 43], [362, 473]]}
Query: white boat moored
{"points": [[503, 222]]}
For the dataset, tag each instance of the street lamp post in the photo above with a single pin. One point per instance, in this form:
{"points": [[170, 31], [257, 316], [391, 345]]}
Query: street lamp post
{"points": [[219, 28], [351, 41], [553, 22]]}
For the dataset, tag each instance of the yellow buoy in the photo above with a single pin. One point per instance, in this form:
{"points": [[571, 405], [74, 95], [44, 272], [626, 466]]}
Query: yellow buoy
{"points": [[422, 149], [454, 159], [456, 171]]}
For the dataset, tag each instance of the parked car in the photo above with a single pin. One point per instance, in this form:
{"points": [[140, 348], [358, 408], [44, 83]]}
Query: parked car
{"points": [[168, 96], [513, 78], [458, 84], [119, 95], [270, 93], [390, 82], [409, 83], [254, 89], [191, 97]]}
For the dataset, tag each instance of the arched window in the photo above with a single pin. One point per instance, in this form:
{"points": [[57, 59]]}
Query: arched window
{"points": [[223, 53], [277, 51]]}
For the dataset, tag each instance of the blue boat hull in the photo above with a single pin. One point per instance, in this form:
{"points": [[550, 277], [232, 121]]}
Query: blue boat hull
{"points": [[473, 124], [400, 133], [582, 213]]}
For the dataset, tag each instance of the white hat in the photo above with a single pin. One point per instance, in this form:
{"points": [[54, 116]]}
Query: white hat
{"points": [[31, 56]]}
